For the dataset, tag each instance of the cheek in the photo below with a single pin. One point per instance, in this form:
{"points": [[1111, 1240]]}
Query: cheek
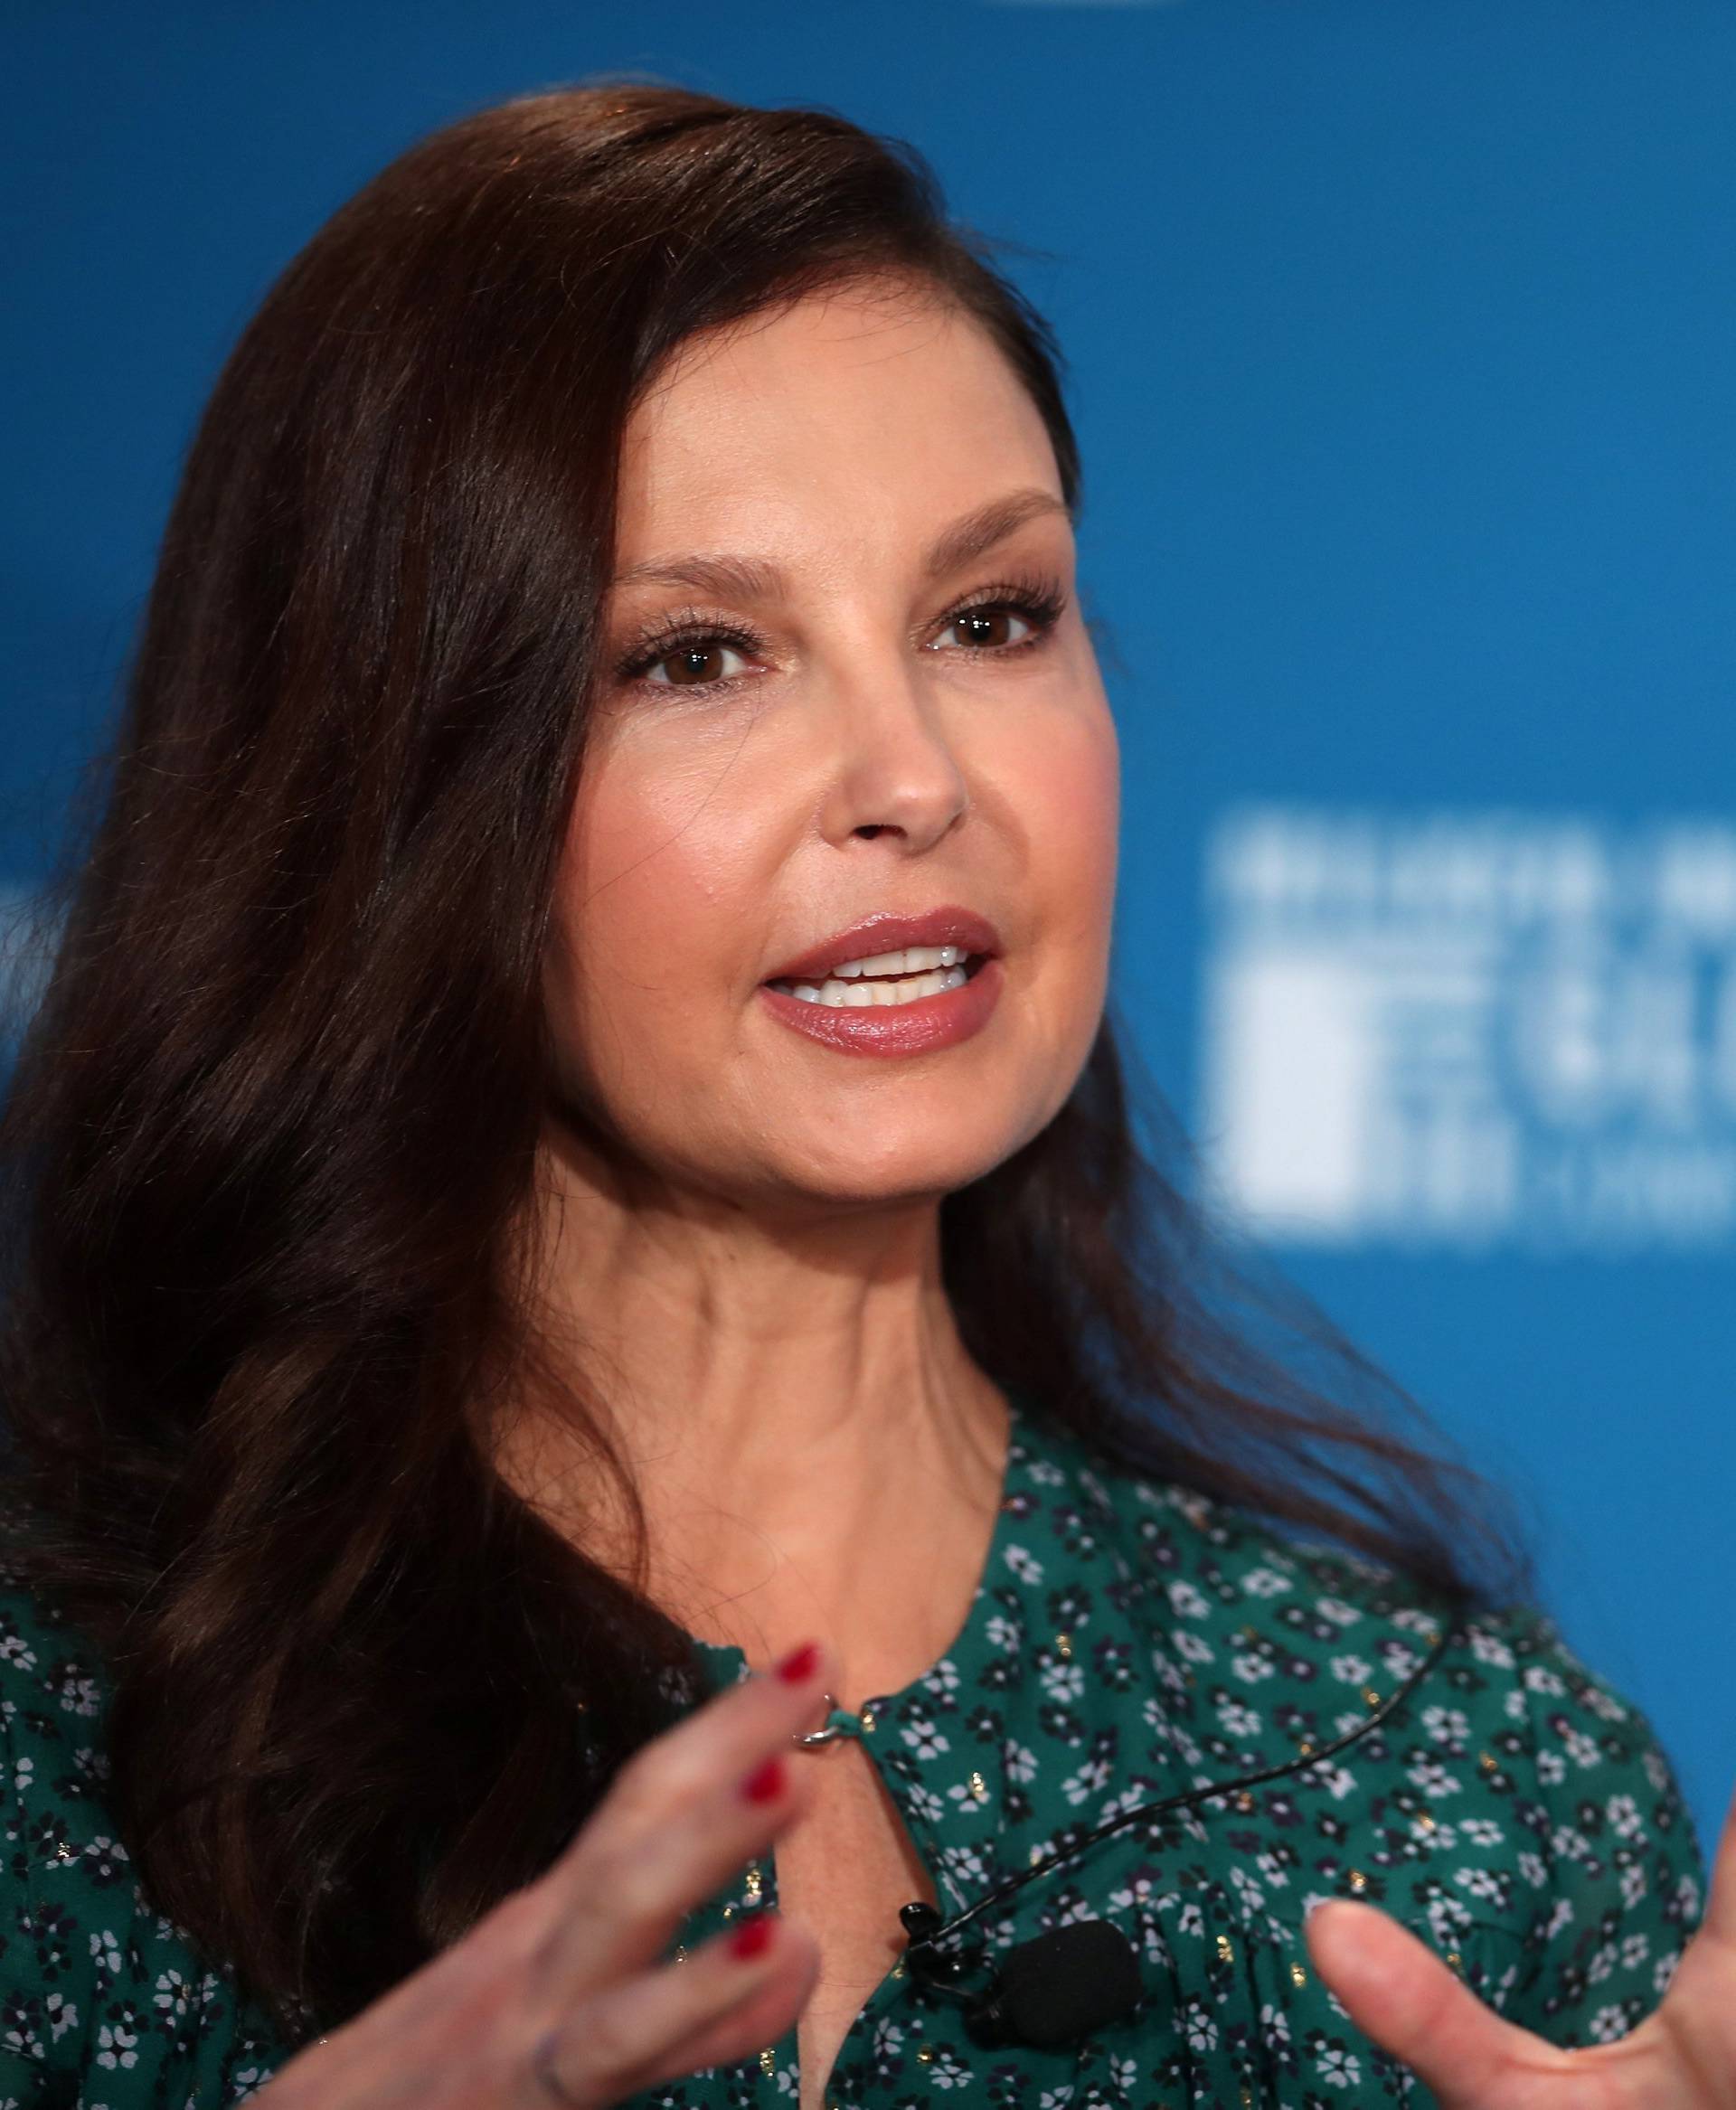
{"points": [[1072, 794], [652, 912], [1062, 794]]}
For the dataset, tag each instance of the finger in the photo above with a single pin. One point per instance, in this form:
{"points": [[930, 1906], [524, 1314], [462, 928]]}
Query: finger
{"points": [[681, 1817], [718, 2004], [1402, 1994], [1720, 1920], [762, 2018]]}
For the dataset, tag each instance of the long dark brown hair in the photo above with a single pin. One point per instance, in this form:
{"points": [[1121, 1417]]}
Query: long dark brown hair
{"points": [[272, 1132]]}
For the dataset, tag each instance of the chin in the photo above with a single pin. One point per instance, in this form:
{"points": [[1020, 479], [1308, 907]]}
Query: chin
{"points": [[919, 1172]]}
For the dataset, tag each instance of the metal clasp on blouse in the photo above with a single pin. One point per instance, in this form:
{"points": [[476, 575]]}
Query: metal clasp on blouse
{"points": [[832, 1729]]}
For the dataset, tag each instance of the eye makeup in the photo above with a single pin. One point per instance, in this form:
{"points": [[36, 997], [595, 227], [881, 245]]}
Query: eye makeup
{"points": [[1038, 601]]}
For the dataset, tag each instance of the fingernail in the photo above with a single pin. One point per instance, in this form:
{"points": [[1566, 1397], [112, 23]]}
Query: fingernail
{"points": [[753, 1936], [1320, 1905], [800, 1664], [764, 1782]]}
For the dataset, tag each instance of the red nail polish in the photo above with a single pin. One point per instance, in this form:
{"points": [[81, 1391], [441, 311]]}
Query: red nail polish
{"points": [[800, 1664], [753, 1937], [766, 1782]]}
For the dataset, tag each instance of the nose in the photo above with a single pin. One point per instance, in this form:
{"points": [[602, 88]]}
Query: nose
{"points": [[896, 770]]}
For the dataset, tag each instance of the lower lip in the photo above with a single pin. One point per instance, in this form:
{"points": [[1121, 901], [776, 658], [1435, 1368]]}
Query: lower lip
{"points": [[895, 1029]]}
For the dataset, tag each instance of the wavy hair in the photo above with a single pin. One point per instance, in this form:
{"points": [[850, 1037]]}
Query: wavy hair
{"points": [[270, 1140]]}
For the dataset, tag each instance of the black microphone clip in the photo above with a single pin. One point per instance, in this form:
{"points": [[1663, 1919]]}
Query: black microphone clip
{"points": [[1054, 1989]]}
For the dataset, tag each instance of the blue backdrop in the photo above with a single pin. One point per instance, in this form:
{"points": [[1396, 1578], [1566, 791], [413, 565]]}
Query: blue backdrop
{"points": [[1401, 349]]}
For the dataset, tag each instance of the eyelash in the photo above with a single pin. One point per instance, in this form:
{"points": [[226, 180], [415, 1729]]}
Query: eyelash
{"points": [[1041, 602]]}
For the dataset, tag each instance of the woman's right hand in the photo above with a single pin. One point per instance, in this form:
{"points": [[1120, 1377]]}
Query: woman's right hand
{"points": [[571, 1963]]}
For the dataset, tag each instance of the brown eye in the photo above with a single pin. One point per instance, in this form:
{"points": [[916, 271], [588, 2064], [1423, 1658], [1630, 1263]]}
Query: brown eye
{"points": [[990, 627], [693, 665]]}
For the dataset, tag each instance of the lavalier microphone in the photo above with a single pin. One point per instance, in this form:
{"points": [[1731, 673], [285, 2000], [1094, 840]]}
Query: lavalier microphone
{"points": [[1053, 1990]]}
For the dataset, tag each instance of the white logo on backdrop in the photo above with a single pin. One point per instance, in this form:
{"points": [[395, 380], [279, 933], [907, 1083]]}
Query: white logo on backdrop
{"points": [[1471, 1029]]}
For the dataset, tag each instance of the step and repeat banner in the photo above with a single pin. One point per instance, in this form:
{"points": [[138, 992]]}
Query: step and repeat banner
{"points": [[1402, 345]]}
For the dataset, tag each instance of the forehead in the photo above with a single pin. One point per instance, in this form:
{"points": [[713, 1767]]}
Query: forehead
{"points": [[862, 410]]}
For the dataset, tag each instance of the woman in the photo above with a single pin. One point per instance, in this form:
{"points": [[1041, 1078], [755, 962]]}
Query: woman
{"points": [[608, 1435]]}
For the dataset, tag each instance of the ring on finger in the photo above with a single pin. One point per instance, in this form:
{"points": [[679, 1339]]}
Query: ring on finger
{"points": [[543, 2067]]}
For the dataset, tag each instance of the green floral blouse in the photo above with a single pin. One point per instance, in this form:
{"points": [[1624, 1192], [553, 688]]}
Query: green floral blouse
{"points": [[1128, 1643]]}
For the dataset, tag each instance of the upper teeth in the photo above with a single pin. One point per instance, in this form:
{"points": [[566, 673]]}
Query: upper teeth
{"points": [[916, 959]]}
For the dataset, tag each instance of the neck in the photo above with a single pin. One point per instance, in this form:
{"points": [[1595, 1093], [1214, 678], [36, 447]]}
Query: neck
{"points": [[787, 1393]]}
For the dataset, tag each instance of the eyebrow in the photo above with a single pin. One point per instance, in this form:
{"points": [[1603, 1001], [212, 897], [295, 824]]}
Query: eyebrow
{"points": [[755, 578]]}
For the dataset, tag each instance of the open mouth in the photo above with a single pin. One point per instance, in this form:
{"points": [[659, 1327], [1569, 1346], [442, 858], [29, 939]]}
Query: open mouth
{"points": [[870, 985]]}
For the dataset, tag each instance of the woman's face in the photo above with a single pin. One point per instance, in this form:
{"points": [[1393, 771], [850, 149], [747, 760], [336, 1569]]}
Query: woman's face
{"points": [[845, 679]]}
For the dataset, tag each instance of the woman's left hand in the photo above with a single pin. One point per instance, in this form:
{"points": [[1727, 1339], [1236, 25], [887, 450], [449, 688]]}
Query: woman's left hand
{"points": [[1683, 2057]]}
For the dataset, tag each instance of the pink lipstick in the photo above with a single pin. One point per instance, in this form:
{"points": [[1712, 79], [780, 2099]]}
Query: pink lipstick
{"points": [[887, 1003]]}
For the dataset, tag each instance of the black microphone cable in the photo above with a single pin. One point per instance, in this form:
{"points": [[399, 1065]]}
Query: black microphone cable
{"points": [[1061, 1986]]}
